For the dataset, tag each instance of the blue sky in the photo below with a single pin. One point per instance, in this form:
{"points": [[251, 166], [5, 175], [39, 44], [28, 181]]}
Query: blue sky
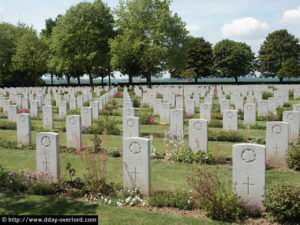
{"points": [[241, 20]]}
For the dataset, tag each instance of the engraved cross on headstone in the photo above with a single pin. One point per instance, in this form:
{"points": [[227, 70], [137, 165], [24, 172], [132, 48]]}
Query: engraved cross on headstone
{"points": [[197, 141], [248, 185], [46, 162], [135, 173], [276, 148]]}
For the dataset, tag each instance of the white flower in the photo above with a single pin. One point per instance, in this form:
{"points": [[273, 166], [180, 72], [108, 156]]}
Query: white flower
{"points": [[131, 203], [109, 201], [119, 204], [128, 199]]}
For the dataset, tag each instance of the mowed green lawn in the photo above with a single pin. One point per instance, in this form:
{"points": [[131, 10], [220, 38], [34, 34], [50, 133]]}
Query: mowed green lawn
{"points": [[164, 175]]}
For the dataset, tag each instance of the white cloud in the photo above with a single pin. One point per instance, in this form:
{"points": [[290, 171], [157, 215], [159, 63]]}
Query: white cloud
{"points": [[291, 16], [192, 28], [245, 28]]}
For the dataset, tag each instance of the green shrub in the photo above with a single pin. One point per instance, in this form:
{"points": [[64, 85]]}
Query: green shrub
{"points": [[9, 144], [179, 200], [241, 126], [214, 196], [110, 126], [228, 97], [74, 112], [102, 92], [7, 125], [53, 102], [257, 126], [287, 104], [145, 117], [113, 152], [217, 115], [86, 104], [293, 158], [42, 189], [135, 103], [231, 136], [201, 157], [3, 175], [282, 203], [215, 123], [266, 95], [117, 113], [158, 95], [261, 118]]}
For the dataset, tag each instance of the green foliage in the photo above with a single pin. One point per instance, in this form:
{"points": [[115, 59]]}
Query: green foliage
{"points": [[257, 126], [136, 103], [151, 39], [74, 112], [217, 115], [266, 95], [179, 200], [42, 189], [230, 136], [80, 40], [293, 158], [86, 104], [199, 62], [214, 197], [8, 125], [233, 59], [261, 118], [110, 126], [145, 117], [275, 60], [287, 105], [215, 123], [201, 157], [282, 203], [4, 143]]}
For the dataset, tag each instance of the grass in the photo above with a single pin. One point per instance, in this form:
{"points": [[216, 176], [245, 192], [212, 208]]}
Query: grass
{"points": [[164, 175], [23, 204]]}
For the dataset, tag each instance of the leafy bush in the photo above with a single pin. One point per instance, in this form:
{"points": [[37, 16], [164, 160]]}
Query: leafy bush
{"points": [[216, 123], [97, 144], [146, 118], [74, 112], [100, 126], [257, 126], [179, 200], [282, 203], [158, 95], [217, 115], [113, 152], [261, 118], [214, 197], [136, 103], [42, 189], [102, 92], [86, 104], [9, 144], [117, 113], [231, 136], [266, 95], [110, 126], [8, 125], [287, 104], [53, 102], [241, 126], [293, 158], [187, 156]]}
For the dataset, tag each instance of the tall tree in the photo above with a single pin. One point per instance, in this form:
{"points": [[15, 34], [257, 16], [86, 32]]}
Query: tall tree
{"points": [[30, 57], [199, 62], [150, 39], [290, 68], [80, 39], [46, 35], [9, 35], [278, 47], [233, 59]]}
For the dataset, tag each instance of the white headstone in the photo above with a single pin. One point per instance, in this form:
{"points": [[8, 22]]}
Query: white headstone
{"points": [[292, 118], [177, 122], [230, 121], [136, 164], [249, 113], [73, 132], [198, 134], [24, 129], [131, 127], [277, 143], [86, 117], [47, 153], [48, 119], [205, 111], [62, 109], [249, 171]]}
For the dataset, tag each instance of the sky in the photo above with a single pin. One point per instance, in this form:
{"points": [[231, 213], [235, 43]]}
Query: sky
{"points": [[247, 21]]}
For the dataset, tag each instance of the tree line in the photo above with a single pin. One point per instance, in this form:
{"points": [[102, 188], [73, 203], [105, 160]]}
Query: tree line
{"points": [[141, 39]]}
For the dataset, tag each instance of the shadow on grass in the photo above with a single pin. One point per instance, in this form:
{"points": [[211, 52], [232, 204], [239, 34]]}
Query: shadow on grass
{"points": [[18, 203]]}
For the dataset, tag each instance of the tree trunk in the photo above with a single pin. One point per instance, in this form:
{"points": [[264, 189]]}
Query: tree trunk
{"points": [[102, 80], [130, 79], [68, 79], [236, 80], [51, 79], [91, 80], [78, 78], [149, 80], [196, 80], [109, 80], [281, 79]]}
